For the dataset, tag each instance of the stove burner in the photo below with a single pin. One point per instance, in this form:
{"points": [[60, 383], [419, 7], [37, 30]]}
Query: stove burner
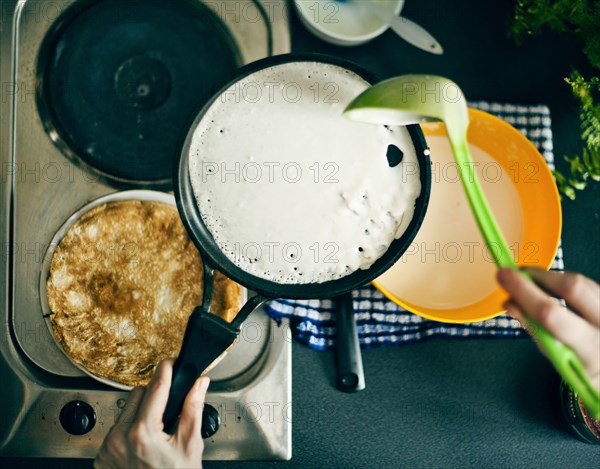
{"points": [[120, 80], [143, 83]]}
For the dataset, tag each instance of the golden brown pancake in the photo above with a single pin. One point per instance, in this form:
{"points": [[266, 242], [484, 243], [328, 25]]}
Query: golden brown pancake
{"points": [[123, 282]]}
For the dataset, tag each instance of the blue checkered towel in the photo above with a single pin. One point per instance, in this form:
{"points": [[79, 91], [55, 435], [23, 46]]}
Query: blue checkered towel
{"points": [[380, 321]]}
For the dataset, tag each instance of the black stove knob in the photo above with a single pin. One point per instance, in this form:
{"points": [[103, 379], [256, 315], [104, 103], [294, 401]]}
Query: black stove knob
{"points": [[210, 421], [77, 417]]}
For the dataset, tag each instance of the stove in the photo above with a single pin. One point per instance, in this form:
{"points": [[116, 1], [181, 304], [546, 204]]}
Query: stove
{"points": [[95, 95]]}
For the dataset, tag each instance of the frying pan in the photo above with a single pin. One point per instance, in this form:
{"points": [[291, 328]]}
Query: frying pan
{"points": [[207, 336]]}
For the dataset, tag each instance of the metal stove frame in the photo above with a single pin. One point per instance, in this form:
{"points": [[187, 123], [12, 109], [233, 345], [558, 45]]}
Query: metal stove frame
{"points": [[42, 185]]}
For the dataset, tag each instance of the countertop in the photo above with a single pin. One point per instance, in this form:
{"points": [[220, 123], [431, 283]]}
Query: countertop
{"points": [[449, 403]]}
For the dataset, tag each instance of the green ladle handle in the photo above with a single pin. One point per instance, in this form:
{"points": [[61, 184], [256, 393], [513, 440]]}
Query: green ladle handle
{"points": [[565, 361], [569, 366]]}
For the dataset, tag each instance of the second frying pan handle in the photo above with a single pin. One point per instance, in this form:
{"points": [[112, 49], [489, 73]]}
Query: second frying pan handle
{"points": [[350, 375], [250, 306]]}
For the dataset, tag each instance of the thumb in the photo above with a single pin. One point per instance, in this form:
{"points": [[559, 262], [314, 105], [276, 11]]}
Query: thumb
{"points": [[190, 421]]}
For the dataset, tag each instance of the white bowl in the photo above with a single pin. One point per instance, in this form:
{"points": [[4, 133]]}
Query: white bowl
{"points": [[343, 23]]}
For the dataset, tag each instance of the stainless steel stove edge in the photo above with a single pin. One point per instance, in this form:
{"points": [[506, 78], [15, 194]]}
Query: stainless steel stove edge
{"points": [[7, 9], [37, 400], [36, 397]]}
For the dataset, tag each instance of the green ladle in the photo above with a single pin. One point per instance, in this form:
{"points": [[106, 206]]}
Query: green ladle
{"points": [[411, 99]]}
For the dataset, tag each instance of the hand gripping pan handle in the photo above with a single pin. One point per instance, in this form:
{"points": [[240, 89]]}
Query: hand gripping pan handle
{"points": [[206, 337]]}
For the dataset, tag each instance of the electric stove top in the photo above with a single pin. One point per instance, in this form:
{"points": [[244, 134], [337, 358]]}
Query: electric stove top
{"points": [[95, 95]]}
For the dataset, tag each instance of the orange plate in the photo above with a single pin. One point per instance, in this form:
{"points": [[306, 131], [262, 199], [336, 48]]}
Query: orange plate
{"points": [[540, 216]]}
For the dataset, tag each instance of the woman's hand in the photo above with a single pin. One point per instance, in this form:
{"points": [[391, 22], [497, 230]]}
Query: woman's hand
{"points": [[138, 440], [579, 331]]}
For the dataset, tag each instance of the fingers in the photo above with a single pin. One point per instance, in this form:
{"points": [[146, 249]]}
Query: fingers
{"points": [[114, 447], [112, 451], [567, 327], [513, 310], [137, 439], [190, 422], [127, 416], [156, 396], [581, 293]]}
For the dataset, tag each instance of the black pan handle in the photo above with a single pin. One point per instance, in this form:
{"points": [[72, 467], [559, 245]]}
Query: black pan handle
{"points": [[206, 337], [350, 375], [197, 348]]}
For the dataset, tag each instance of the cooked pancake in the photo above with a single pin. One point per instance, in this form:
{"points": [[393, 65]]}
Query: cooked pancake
{"points": [[122, 284]]}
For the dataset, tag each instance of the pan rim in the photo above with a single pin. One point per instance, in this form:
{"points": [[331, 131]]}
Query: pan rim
{"points": [[204, 241]]}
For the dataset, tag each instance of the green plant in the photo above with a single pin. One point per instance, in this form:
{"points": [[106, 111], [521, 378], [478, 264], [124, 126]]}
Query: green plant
{"points": [[581, 19], [588, 164]]}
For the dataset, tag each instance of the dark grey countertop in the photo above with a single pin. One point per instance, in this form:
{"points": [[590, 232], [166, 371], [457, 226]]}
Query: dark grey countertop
{"points": [[449, 403]]}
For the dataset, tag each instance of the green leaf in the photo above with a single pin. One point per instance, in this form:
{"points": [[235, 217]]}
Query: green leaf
{"points": [[578, 19]]}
